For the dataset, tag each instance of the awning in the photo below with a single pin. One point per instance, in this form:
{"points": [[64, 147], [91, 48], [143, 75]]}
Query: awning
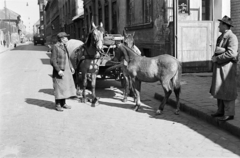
{"points": [[79, 16]]}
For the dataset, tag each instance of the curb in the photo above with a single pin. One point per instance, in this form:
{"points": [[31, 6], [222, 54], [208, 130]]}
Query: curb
{"points": [[5, 50], [203, 116]]}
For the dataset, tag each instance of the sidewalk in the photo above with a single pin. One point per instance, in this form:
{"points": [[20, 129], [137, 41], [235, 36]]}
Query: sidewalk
{"points": [[197, 101], [3, 49]]}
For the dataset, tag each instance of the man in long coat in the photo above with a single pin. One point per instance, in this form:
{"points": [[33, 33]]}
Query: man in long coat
{"points": [[63, 83], [224, 84]]}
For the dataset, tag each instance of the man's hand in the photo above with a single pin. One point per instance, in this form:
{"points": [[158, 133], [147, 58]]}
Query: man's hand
{"points": [[61, 73], [214, 59]]}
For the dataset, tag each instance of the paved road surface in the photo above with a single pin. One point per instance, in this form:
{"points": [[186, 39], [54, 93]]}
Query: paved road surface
{"points": [[30, 127]]}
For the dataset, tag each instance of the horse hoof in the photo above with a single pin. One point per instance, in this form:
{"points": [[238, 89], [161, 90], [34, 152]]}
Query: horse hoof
{"points": [[158, 112], [79, 93], [176, 112], [135, 108], [83, 100]]}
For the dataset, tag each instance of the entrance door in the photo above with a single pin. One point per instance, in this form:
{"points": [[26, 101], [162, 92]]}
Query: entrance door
{"points": [[196, 42]]}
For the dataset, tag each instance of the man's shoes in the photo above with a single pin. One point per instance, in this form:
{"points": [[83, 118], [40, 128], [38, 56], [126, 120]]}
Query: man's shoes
{"points": [[58, 108], [65, 106], [225, 118], [217, 115]]}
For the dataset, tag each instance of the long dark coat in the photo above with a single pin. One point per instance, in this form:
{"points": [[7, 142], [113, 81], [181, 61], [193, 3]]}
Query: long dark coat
{"points": [[63, 86], [224, 85]]}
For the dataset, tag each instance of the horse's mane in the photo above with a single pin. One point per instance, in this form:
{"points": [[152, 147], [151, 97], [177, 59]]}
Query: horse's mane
{"points": [[127, 52], [88, 40], [129, 49]]}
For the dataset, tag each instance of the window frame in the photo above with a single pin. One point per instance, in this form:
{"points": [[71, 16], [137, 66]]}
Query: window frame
{"points": [[144, 24], [187, 7]]}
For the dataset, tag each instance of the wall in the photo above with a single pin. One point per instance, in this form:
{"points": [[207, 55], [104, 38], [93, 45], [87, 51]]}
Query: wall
{"points": [[221, 8], [235, 12]]}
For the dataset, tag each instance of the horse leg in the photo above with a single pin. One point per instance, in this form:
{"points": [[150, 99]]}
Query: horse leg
{"points": [[77, 78], [167, 90], [177, 90], [84, 78], [136, 94], [94, 98], [126, 87]]}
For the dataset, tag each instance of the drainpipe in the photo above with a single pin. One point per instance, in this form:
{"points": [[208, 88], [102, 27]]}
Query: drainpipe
{"points": [[175, 27]]}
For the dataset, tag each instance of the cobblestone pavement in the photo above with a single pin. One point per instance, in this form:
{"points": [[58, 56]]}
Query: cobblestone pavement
{"points": [[31, 128]]}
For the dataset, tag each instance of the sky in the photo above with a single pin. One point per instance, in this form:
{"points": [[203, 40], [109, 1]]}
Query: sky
{"points": [[29, 14]]}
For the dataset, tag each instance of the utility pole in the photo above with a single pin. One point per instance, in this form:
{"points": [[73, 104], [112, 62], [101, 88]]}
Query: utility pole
{"points": [[175, 27]]}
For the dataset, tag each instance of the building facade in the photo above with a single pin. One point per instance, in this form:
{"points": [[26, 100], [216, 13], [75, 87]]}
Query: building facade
{"points": [[41, 4], [64, 15], [235, 15], [152, 23]]}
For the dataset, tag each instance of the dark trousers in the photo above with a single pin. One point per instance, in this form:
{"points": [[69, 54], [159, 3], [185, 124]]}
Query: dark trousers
{"points": [[226, 107], [60, 102]]}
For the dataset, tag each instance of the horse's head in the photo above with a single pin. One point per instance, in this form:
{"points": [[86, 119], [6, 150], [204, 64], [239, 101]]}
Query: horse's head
{"points": [[97, 36], [128, 39]]}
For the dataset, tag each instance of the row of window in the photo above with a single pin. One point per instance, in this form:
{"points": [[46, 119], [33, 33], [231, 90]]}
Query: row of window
{"points": [[135, 15]]}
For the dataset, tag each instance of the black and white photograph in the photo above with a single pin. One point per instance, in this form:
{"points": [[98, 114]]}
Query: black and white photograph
{"points": [[119, 78]]}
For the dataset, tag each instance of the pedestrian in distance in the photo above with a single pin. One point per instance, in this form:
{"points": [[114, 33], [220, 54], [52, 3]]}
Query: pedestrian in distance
{"points": [[4, 43], [63, 83], [224, 82]]}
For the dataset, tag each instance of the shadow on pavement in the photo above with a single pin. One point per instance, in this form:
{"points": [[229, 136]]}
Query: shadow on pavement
{"points": [[46, 91], [168, 114], [45, 61], [41, 103], [30, 47]]}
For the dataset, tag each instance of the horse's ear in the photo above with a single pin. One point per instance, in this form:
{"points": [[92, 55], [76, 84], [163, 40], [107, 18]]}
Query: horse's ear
{"points": [[133, 34], [93, 25], [124, 33], [101, 24]]}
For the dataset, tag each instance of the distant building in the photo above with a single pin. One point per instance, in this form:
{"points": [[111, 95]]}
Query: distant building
{"points": [[36, 27], [11, 25], [41, 4], [64, 15]]}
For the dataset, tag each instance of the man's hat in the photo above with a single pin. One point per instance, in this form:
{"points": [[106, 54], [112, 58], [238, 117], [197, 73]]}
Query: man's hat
{"points": [[226, 20], [62, 34]]}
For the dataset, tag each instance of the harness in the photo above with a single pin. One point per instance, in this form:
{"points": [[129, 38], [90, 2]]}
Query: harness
{"points": [[86, 56]]}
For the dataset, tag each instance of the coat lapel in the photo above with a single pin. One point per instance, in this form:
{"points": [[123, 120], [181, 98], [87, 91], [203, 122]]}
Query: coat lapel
{"points": [[225, 37]]}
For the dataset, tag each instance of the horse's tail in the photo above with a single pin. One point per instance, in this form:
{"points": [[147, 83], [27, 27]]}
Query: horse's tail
{"points": [[176, 80]]}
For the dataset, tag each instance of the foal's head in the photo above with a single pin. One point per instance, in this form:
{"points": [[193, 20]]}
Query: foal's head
{"points": [[128, 39], [95, 38]]}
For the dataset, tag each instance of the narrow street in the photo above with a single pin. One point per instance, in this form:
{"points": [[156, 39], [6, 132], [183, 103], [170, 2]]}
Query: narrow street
{"points": [[30, 127]]}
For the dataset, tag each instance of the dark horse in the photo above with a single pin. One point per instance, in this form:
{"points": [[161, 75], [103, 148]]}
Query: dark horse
{"points": [[163, 68], [87, 60]]}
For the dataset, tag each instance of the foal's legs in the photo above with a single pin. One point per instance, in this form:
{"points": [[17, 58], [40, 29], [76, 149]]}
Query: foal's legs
{"points": [[137, 94], [177, 94], [167, 90], [126, 87]]}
